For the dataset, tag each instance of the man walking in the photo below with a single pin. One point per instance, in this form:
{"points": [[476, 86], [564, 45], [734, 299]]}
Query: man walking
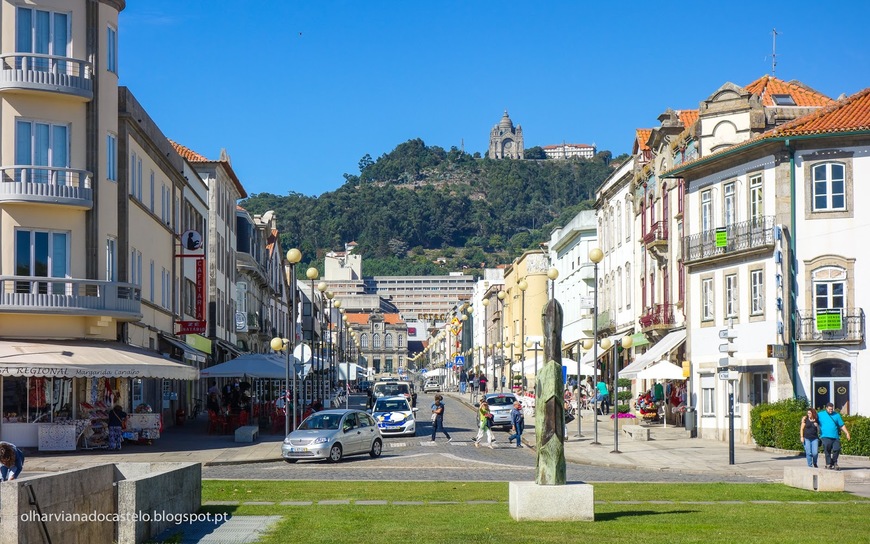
{"points": [[518, 422], [832, 424], [438, 418], [463, 381]]}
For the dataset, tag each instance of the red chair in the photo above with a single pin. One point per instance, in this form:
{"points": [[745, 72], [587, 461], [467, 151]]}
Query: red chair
{"points": [[216, 423], [243, 418]]}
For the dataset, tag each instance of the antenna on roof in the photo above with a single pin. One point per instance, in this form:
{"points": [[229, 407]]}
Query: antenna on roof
{"points": [[774, 52]]}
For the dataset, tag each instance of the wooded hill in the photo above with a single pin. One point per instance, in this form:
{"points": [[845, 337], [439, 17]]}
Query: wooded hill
{"points": [[422, 210]]}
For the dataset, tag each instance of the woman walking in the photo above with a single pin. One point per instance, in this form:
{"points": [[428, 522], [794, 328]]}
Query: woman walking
{"points": [[810, 437], [438, 418], [11, 461], [484, 421]]}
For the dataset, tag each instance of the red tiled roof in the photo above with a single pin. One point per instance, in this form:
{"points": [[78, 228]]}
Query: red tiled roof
{"points": [[566, 145], [187, 153], [848, 115], [363, 318], [641, 139], [767, 86], [688, 117]]}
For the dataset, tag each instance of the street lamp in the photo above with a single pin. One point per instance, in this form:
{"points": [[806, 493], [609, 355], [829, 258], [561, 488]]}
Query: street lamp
{"points": [[312, 274], [595, 255], [626, 345], [286, 344], [552, 274], [321, 388], [536, 344]]}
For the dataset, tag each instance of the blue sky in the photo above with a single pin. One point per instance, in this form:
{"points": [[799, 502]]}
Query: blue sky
{"points": [[298, 92]]}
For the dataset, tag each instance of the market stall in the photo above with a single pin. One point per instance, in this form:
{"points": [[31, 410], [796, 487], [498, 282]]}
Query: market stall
{"points": [[57, 395]]}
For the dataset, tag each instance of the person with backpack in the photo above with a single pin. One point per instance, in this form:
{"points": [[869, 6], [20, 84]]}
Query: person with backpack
{"points": [[832, 424]]}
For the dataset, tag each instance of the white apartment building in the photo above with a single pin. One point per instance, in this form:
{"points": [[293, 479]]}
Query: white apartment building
{"points": [[569, 151]]}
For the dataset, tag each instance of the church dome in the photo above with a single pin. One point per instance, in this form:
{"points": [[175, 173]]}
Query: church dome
{"points": [[506, 123]]}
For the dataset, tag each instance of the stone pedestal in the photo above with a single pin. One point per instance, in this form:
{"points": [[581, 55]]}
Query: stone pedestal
{"points": [[532, 502], [814, 479]]}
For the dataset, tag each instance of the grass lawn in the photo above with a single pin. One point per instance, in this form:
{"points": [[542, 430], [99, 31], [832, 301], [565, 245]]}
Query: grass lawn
{"points": [[792, 520]]}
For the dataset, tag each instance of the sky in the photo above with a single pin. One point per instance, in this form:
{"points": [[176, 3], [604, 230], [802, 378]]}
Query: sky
{"points": [[298, 92]]}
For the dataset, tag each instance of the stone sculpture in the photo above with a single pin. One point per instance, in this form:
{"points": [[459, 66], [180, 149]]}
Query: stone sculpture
{"points": [[549, 402]]}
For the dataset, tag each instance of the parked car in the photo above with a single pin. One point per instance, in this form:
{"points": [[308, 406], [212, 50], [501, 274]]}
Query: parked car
{"points": [[500, 404], [333, 434], [395, 417], [432, 385]]}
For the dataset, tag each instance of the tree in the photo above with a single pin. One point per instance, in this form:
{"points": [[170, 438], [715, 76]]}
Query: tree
{"points": [[536, 152], [365, 162]]}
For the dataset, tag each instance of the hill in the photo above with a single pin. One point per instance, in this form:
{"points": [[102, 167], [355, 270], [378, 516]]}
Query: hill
{"points": [[420, 204]]}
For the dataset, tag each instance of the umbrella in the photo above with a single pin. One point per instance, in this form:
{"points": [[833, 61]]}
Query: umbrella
{"points": [[528, 366], [662, 370], [254, 365], [435, 372]]}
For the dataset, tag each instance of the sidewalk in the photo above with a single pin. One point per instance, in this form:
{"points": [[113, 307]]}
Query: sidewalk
{"points": [[670, 450]]}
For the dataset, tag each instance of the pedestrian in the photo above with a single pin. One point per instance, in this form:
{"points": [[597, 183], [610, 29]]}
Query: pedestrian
{"points": [[603, 396], [482, 383], [518, 423], [810, 437], [503, 381], [438, 418], [832, 424], [11, 461], [463, 381], [484, 423], [116, 426]]}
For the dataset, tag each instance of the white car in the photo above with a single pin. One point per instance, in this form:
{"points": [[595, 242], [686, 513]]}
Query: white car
{"points": [[395, 417], [432, 386]]}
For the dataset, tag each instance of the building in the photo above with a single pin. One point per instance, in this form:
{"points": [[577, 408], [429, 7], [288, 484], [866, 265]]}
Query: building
{"points": [[505, 140], [383, 340], [569, 151], [87, 301], [767, 190]]}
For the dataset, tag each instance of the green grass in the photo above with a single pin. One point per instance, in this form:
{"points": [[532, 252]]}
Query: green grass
{"points": [[645, 523]]}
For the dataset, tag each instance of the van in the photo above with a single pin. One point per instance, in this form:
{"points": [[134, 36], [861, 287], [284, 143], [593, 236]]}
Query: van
{"points": [[394, 388]]}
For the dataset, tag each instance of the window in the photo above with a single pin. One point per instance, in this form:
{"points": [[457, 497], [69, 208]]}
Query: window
{"points": [[706, 211], [756, 200], [728, 202], [619, 223], [829, 288], [708, 395], [829, 186], [376, 341], [112, 50], [44, 33], [136, 267], [707, 299], [364, 340], [42, 144], [388, 343], [388, 365], [111, 259], [627, 286], [151, 282], [757, 291], [401, 341], [112, 157], [43, 254], [731, 295], [619, 288], [151, 195], [758, 394]]}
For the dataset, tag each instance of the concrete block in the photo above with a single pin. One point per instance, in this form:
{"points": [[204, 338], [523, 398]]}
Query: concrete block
{"points": [[637, 432], [248, 433], [814, 479], [529, 501]]}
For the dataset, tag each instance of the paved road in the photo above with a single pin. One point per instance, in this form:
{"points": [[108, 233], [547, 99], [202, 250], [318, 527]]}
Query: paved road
{"points": [[418, 458]]}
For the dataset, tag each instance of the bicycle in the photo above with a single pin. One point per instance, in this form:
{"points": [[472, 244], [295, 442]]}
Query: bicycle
{"points": [[197, 408]]}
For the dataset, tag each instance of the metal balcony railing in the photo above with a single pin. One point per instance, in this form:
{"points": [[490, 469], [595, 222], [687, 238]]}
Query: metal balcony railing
{"points": [[658, 233], [47, 73], [659, 316], [46, 184], [735, 239], [842, 325], [253, 321], [36, 294]]}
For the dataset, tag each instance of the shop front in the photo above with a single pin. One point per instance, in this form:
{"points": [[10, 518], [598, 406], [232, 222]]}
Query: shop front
{"points": [[56, 395]]}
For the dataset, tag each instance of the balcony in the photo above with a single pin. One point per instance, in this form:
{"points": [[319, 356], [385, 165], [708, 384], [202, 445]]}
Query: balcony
{"points": [[253, 322], [739, 239], [842, 326], [657, 235], [46, 185], [65, 296], [47, 74], [660, 316]]}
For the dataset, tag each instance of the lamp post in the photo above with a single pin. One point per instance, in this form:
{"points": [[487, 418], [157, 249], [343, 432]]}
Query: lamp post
{"points": [[321, 387], [286, 344], [595, 255], [552, 274], [536, 344], [522, 286], [626, 345], [312, 274]]}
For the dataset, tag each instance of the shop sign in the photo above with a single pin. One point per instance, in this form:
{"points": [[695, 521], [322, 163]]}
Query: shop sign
{"points": [[721, 237], [829, 320], [200, 289], [190, 327]]}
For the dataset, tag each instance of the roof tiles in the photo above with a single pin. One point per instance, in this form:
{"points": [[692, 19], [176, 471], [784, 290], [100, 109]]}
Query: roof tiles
{"points": [[767, 86]]}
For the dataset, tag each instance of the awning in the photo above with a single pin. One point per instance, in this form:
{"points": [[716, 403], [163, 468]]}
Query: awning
{"points": [[662, 370], [659, 350], [252, 365], [87, 359], [189, 351], [528, 366], [639, 339]]}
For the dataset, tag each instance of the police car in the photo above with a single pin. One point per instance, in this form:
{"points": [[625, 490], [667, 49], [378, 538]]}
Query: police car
{"points": [[394, 416]]}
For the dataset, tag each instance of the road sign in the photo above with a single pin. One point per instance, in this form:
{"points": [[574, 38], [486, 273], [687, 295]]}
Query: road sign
{"points": [[728, 375], [727, 334], [459, 360]]}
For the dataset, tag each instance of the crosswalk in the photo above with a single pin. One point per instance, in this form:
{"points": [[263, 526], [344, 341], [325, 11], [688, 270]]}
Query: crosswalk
{"points": [[432, 444]]}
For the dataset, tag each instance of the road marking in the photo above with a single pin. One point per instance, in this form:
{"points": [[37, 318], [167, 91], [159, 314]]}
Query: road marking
{"points": [[397, 444]]}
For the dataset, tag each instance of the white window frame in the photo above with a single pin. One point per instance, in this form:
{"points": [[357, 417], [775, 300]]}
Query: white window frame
{"points": [[729, 203], [111, 259], [707, 303], [708, 396], [756, 280], [731, 295], [707, 213], [756, 198], [112, 157], [45, 174], [827, 188], [112, 49]]}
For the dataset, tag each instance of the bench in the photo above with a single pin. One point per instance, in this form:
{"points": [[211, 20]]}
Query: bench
{"points": [[814, 479], [637, 432], [248, 433]]}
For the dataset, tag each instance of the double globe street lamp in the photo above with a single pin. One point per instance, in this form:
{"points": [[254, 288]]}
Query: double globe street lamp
{"points": [[286, 344]]}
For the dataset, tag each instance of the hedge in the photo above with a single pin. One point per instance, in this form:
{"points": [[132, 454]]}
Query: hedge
{"points": [[778, 425]]}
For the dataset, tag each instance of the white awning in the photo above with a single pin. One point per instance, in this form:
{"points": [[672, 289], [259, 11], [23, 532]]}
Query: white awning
{"points": [[528, 366], [87, 359], [662, 370], [659, 350], [253, 365]]}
